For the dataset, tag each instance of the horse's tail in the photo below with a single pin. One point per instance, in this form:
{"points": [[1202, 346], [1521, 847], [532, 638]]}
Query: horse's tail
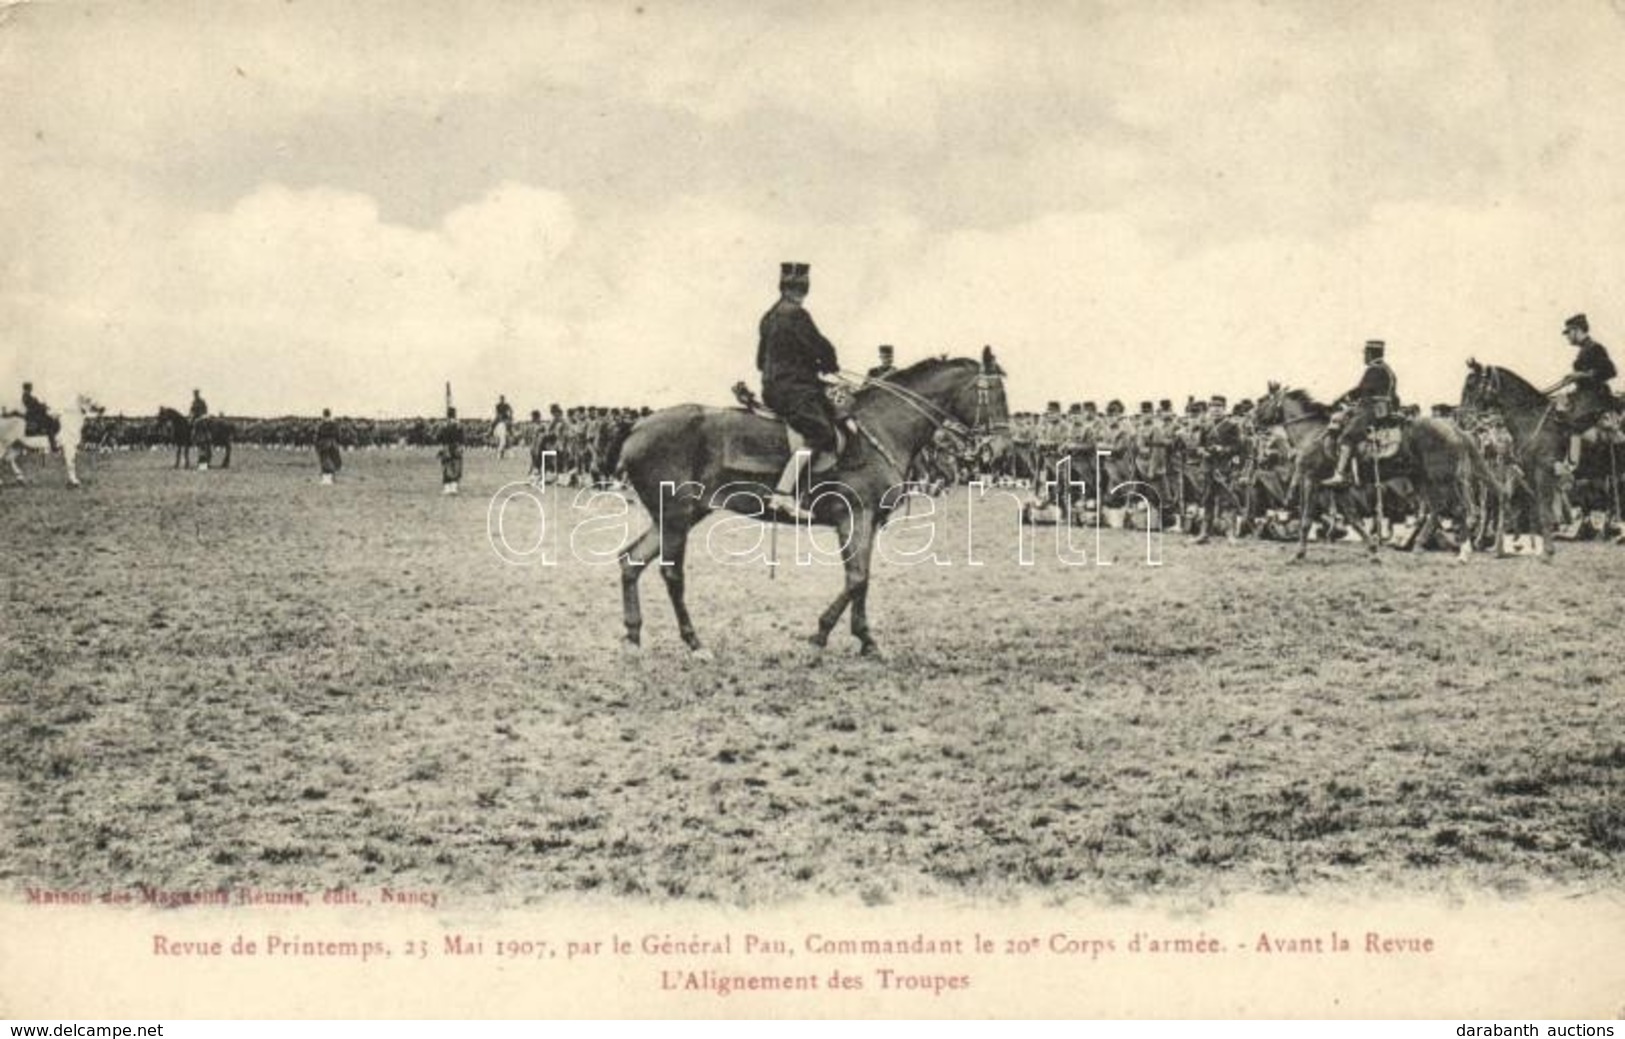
{"points": [[614, 450]]}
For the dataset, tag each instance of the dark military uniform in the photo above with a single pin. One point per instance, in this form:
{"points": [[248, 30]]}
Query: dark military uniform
{"points": [[1592, 371], [451, 452], [36, 417], [885, 367], [327, 446], [1376, 397], [791, 354]]}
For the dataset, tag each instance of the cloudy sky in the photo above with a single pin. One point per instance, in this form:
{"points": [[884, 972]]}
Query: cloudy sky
{"points": [[296, 204]]}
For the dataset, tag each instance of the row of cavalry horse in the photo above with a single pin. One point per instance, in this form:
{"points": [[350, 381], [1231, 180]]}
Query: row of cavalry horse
{"points": [[678, 462], [1495, 464]]}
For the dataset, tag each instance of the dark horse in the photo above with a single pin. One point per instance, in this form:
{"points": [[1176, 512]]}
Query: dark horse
{"points": [[1440, 460], [210, 432], [688, 461], [1540, 436]]}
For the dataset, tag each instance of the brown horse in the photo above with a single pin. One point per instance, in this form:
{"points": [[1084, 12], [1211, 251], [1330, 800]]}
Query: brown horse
{"points": [[689, 461], [1540, 437], [206, 433], [1439, 459]]}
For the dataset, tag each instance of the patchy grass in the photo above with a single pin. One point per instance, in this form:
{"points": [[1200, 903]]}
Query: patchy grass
{"points": [[245, 677]]}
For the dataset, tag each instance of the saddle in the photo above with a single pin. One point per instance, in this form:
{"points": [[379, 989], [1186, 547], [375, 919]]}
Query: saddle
{"points": [[758, 442], [1383, 440]]}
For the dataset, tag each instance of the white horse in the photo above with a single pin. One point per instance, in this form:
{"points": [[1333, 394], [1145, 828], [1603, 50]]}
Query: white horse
{"points": [[73, 425], [503, 433]]}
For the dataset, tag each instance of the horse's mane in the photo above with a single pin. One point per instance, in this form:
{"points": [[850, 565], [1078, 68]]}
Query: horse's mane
{"points": [[921, 369], [1506, 378], [1304, 398]]}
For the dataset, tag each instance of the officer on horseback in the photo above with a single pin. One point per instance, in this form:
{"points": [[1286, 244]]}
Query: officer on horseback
{"points": [[1375, 398], [793, 356], [504, 409], [1590, 377], [37, 417]]}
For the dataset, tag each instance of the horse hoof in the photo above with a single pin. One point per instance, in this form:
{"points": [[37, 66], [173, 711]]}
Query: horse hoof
{"points": [[629, 648], [870, 650], [818, 641], [702, 654]]}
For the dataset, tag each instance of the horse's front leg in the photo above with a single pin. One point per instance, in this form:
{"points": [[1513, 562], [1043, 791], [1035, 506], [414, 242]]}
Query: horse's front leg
{"points": [[1544, 494], [859, 555], [17, 471], [832, 614], [1303, 517]]}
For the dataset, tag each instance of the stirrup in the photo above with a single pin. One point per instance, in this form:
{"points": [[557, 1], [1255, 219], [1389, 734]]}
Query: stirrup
{"points": [[781, 503]]}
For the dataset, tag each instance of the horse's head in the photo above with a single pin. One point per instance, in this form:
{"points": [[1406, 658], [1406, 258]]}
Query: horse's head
{"points": [[1472, 388], [964, 396], [1267, 409]]}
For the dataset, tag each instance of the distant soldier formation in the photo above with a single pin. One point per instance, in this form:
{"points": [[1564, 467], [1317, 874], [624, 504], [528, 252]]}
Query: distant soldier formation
{"points": [[1202, 467]]}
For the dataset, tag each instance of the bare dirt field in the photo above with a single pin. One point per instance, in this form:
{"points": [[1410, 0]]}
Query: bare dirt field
{"points": [[244, 678]]}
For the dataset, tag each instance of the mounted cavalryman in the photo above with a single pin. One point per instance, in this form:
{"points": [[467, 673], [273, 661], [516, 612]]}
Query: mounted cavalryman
{"points": [[37, 420], [793, 357], [1590, 376], [1374, 399]]}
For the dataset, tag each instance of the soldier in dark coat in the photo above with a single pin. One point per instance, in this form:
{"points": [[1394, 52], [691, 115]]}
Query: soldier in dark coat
{"points": [[327, 446], [451, 453], [1376, 397], [37, 418], [1592, 372], [792, 356], [886, 365]]}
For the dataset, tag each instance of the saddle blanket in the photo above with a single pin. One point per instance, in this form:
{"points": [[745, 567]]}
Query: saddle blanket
{"points": [[1382, 442], [756, 444]]}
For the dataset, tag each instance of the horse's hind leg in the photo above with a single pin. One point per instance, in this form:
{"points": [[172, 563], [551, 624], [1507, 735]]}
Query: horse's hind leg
{"points": [[634, 559], [672, 553]]}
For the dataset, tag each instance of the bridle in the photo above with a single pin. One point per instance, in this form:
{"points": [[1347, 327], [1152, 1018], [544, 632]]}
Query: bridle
{"points": [[1491, 375], [983, 425]]}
